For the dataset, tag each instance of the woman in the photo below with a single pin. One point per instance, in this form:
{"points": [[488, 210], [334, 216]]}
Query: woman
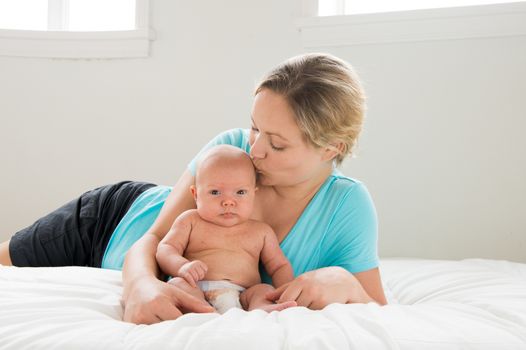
{"points": [[306, 117]]}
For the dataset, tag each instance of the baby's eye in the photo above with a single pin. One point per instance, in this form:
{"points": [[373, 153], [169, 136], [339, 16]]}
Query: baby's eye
{"points": [[242, 192], [214, 192]]}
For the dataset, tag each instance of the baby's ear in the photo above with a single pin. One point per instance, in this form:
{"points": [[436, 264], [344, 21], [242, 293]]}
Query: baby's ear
{"points": [[193, 189]]}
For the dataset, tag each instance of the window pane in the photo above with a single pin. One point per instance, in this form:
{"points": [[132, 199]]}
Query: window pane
{"points": [[98, 15], [351, 7], [23, 14]]}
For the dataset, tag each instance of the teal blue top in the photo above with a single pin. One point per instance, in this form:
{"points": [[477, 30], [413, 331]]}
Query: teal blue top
{"points": [[337, 228]]}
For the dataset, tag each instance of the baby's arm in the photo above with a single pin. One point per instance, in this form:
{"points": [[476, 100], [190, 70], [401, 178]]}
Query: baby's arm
{"points": [[171, 249], [275, 262]]}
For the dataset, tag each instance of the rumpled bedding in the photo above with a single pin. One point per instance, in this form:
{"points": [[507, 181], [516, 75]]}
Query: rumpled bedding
{"points": [[433, 304]]}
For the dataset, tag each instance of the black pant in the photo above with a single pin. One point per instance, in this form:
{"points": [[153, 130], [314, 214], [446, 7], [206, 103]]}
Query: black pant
{"points": [[77, 233]]}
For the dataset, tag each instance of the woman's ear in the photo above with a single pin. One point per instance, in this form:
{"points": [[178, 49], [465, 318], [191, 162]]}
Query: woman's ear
{"points": [[332, 151]]}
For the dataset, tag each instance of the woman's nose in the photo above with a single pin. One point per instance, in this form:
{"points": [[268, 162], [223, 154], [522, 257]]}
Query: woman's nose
{"points": [[256, 149]]}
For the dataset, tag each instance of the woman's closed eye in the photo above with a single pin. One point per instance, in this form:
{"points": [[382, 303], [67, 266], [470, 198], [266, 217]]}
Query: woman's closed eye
{"points": [[273, 146]]}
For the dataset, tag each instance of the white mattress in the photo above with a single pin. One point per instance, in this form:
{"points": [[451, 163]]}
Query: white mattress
{"points": [[434, 304]]}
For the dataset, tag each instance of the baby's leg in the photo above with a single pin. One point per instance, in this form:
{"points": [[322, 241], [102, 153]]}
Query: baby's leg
{"points": [[254, 298], [182, 284], [223, 299]]}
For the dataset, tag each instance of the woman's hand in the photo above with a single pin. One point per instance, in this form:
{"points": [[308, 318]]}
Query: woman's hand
{"points": [[150, 300], [254, 298], [319, 288]]}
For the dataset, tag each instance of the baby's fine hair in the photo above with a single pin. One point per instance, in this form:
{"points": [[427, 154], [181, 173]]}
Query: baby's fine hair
{"points": [[223, 153]]}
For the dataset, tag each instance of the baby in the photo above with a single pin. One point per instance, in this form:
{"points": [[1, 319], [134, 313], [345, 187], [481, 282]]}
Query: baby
{"points": [[213, 251]]}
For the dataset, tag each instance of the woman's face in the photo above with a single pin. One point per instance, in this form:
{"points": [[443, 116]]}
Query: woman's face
{"points": [[281, 155]]}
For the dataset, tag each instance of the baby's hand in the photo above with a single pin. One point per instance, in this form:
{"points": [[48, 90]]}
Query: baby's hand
{"points": [[192, 272]]}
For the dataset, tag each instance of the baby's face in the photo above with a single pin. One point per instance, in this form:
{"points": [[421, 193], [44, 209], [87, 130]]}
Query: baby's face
{"points": [[225, 195]]}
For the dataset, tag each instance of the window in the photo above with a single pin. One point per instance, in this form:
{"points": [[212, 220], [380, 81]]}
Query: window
{"points": [[75, 28], [324, 23], [353, 7], [14, 14]]}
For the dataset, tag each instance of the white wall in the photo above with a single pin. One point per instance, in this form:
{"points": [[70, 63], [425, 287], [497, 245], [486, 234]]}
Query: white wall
{"points": [[441, 152]]}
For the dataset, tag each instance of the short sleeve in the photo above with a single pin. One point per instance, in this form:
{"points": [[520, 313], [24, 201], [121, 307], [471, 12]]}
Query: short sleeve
{"points": [[235, 137], [351, 240]]}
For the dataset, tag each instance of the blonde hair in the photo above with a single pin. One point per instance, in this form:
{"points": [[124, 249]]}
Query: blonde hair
{"points": [[326, 96]]}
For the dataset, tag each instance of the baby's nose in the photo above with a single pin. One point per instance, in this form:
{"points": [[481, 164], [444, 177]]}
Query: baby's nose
{"points": [[228, 203]]}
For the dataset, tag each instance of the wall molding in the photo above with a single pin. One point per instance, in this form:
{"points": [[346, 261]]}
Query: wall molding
{"points": [[82, 45], [484, 21]]}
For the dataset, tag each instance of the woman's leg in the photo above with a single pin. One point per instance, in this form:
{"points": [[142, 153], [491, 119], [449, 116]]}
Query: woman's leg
{"points": [[5, 258], [75, 234]]}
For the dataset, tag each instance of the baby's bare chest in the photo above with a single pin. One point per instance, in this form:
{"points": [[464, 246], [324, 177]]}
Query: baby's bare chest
{"points": [[248, 238]]}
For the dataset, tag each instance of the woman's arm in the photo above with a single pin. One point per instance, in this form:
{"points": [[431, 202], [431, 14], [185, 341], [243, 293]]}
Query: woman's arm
{"points": [[146, 298], [372, 285], [319, 288]]}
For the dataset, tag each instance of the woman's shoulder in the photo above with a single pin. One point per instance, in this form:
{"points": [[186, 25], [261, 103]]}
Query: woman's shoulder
{"points": [[235, 137], [344, 194], [343, 185]]}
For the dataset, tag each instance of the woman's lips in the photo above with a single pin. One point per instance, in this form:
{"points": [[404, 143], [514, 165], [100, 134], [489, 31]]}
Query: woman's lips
{"points": [[258, 168]]}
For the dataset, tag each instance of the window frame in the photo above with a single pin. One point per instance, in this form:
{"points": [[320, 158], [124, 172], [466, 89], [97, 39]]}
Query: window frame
{"points": [[82, 45], [450, 23]]}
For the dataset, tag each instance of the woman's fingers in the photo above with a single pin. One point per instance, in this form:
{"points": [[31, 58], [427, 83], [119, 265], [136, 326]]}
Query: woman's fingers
{"points": [[166, 312], [318, 304], [291, 293], [278, 307], [150, 301], [287, 292], [305, 299], [190, 303], [276, 293]]}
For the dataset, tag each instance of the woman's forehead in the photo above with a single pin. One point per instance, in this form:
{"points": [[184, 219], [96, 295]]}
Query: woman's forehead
{"points": [[272, 114]]}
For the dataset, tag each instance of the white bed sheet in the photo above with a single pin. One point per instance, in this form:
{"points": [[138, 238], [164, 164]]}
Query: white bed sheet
{"points": [[434, 304]]}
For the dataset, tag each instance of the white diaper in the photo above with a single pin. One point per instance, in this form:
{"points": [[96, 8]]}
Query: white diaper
{"points": [[222, 295]]}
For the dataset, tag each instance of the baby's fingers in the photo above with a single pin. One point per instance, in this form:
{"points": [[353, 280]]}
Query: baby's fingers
{"points": [[202, 272], [190, 279], [195, 275]]}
